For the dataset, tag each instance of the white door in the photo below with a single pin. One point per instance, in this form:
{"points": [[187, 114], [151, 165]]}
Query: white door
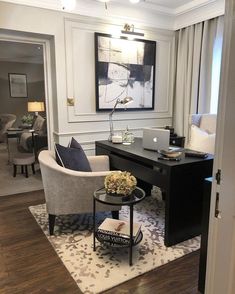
{"points": [[220, 278]]}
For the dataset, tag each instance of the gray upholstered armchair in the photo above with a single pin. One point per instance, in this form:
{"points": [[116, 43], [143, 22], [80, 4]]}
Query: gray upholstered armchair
{"points": [[71, 192], [6, 122]]}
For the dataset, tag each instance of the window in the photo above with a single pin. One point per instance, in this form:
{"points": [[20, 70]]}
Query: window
{"points": [[216, 67]]}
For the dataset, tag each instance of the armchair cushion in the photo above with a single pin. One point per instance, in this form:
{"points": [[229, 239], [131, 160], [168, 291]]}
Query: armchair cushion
{"points": [[38, 123], [202, 140], [40, 131], [202, 132], [6, 122], [72, 158], [74, 144]]}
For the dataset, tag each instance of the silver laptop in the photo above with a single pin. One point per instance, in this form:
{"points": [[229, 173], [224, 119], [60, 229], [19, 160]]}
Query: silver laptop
{"points": [[156, 139]]}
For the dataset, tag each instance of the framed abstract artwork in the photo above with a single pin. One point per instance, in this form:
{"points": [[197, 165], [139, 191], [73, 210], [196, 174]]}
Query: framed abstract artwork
{"points": [[18, 85], [124, 68]]}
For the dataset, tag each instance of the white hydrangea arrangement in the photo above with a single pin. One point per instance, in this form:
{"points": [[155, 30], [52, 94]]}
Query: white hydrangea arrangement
{"points": [[120, 183], [27, 118]]}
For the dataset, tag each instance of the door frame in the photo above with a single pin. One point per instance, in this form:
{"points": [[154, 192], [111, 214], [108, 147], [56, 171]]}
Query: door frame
{"points": [[47, 65], [220, 274]]}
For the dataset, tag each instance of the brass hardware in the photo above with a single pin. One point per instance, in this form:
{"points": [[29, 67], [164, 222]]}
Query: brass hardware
{"points": [[70, 101], [217, 211], [218, 176], [130, 30]]}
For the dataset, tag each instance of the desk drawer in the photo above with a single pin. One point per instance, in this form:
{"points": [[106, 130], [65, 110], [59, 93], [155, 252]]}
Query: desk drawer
{"points": [[156, 176]]}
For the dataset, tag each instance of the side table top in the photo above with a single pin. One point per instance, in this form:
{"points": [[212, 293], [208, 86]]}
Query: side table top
{"points": [[136, 196]]}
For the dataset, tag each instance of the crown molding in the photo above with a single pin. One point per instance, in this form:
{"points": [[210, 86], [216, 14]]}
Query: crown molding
{"points": [[204, 11], [145, 13], [191, 5]]}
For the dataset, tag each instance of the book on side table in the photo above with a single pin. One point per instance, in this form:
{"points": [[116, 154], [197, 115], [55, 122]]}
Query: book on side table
{"points": [[117, 231]]}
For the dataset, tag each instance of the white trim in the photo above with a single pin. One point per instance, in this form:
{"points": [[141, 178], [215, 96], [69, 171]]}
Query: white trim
{"points": [[192, 5], [153, 15], [58, 154], [203, 13], [216, 225], [5, 36]]}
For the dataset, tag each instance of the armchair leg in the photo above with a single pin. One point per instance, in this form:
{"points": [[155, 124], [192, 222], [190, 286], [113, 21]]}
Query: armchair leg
{"points": [[115, 214], [51, 223]]}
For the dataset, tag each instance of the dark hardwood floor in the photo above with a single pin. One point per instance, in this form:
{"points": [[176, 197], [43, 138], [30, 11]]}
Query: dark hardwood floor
{"points": [[28, 263]]}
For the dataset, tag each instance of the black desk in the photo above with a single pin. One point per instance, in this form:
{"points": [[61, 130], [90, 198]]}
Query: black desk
{"points": [[181, 182], [205, 231]]}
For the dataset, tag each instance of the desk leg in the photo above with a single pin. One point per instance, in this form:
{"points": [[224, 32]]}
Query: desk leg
{"points": [[145, 186], [94, 223], [184, 196], [131, 235]]}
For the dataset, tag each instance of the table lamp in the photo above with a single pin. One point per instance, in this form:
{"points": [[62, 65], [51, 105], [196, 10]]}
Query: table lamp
{"points": [[124, 101], [36, 107]]}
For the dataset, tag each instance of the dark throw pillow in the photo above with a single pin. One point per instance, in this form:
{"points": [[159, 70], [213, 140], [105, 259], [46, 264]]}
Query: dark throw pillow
{"points": [[72, 158], [74, 144]]}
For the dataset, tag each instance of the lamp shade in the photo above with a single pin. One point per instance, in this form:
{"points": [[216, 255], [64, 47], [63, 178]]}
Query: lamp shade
{"points": [[36, 106]]}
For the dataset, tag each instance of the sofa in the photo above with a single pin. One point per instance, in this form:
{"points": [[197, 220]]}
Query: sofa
{"points": [[202, 132], [6, 122]]}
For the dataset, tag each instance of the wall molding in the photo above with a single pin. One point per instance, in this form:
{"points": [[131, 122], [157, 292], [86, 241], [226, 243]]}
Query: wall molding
{"points": [[204, 11], [104, 131], [75, 27], [146, 13]]}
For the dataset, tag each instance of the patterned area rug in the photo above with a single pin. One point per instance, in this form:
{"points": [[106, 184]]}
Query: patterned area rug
{"points": [[107, 267]]}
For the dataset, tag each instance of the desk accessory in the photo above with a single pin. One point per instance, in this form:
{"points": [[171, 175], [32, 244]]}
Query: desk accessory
{"points": [[124, 101], [198, 154], [170, 153], [169, 159], [117, 139], [128, 137]]}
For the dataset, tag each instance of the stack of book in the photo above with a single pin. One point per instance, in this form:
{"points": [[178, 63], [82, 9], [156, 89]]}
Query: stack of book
{"points": [[117, 231]]}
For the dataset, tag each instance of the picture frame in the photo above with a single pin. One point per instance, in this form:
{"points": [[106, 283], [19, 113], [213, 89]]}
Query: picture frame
{"points": [[123, 68], [18, 85]]}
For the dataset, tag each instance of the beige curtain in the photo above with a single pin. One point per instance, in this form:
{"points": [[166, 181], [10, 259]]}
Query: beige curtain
{"points": [[194, 58]]}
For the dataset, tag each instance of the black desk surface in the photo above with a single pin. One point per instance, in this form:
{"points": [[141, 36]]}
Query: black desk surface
{"points": [[137, 152]]}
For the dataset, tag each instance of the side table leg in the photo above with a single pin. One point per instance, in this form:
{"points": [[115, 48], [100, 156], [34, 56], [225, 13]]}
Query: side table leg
{"points": [[131, 235], [94, 224], [8, 150], [15, 168]]}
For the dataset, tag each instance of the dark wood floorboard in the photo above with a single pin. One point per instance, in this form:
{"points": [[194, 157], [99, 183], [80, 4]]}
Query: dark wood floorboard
{"points": [[29, 264]]}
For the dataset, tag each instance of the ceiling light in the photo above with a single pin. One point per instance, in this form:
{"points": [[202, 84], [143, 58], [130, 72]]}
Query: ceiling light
{"points": [[105, 3], [130, 30], [136, 1], [68, 4]]}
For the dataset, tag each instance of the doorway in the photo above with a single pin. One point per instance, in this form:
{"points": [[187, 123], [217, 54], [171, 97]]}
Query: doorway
{"points": [[24, 79]]}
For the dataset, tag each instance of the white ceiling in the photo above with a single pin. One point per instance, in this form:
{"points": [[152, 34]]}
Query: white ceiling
{"points": [[162, 14], [171, 7], [166, 14], [171, 4], [20, 52]]}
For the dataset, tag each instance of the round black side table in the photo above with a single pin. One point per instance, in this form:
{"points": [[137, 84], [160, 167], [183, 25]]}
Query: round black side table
{"points": [[101, 196]]}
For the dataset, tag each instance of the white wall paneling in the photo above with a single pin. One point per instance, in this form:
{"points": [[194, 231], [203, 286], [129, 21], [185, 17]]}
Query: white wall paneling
{"points": [[80, 68], [71, 68]]}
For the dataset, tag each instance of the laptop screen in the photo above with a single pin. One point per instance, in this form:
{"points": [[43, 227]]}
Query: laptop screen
{"points": [[156, 139]]}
